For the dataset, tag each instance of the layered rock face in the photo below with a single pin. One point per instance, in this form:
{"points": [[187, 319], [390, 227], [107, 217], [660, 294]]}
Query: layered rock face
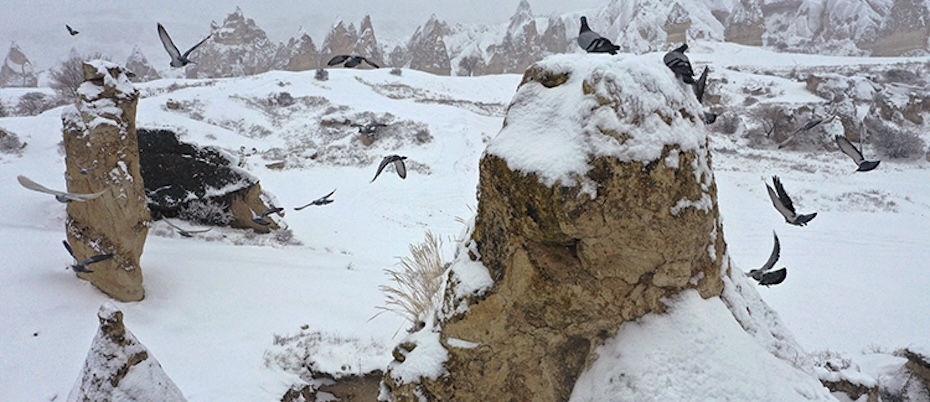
{"points": [[119, 368], [100, 137], [596, 201]]}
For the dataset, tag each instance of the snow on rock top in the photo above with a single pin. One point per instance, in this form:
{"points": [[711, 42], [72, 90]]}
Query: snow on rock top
{"points": [[113, 76], [627, 107]]}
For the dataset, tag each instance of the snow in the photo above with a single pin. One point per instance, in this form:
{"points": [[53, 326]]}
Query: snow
{"points": [[644, 361], [216, 302], [540, 137]]}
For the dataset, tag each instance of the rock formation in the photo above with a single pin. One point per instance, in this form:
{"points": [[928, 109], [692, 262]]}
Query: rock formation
{"points": [[237, 48], [520, 46], [426, 50], [140, 66], [343, 39], [200, 184], [119, 368], [17, 70], [628, 217], [746, 24], [100, 135], [299, 54]]}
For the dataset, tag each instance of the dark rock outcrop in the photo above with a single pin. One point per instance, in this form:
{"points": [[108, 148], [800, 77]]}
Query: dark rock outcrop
{"points": [[198, 183]]}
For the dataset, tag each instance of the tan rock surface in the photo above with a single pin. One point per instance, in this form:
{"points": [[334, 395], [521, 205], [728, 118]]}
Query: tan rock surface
{"points": [[569, 268], [100, 135]]}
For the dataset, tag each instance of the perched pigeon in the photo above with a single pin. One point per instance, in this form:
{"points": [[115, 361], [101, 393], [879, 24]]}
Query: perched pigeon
{"points": [[319, 201], [398, 162], [679, 64], [61, 196], [71, 31], [593, 42], [177, 59], [81, 266], [783, 204], [184, 232], [370, 128], [350, 61], [765, 276], [260, 219], [856, 154]]}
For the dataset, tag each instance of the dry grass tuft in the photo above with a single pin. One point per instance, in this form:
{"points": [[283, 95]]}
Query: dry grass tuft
{"points": [[416, 285]]}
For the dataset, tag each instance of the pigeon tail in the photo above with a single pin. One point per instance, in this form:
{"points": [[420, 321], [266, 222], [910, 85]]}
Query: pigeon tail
{"points": [[866, 166], [802, 220]]}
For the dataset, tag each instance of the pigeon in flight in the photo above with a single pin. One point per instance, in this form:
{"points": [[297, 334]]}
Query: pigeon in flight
{"points": [[856, 154], [806, 127], [398, 162], [61, 196], [350, 61], [260, 219], [184, 232], [319, 201], [177, 59], [765, 276], [679, 64], [698, 87], [593, 42], [81, 266], [783, 204], [72, 31]]}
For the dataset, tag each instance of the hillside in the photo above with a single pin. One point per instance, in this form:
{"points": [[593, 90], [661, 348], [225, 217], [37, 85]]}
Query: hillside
{"points": [[216, 302]]}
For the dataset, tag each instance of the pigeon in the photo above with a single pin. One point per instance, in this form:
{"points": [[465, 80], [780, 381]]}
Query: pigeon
{"points": [[81, 266], [765, 276], [806, 127], [72, 31], [783, 204], [184, 232], [350, 61], [177, 59], [370, 128], [61, 196], [260, 219], [319, 201], [856, 154], [398, 165], [679, 64], [86, 170], [593, 42]]}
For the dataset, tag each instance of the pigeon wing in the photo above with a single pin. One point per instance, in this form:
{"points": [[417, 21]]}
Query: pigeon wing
{"points": [[82, 197], [370, 63], [849, 149], [338, 59], [271, 211], [302, 206], [353, 61], [773, 258], [68, 247], [774, 277], [401, 168], [198, 231], [587, 40], [168, 43], [328, 195], [779, 206], [700, 85], [195, 46], [28, 183], [384, 162], [96, 259], [783, 196]]}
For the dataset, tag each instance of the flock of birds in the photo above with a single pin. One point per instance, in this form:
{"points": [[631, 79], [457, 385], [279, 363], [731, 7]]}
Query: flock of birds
{"points": [[678, 62], [591, 42], [179, 59]]}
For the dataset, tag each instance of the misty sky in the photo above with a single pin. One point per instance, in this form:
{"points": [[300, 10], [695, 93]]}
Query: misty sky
{"points": [[114, 26]]}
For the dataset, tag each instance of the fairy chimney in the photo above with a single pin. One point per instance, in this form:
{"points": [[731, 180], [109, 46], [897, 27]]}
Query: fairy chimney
{"points": [[102, 154], [596, 201]]}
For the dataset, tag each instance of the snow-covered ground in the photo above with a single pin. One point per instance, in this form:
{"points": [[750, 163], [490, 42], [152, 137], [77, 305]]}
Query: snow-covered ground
{"points": [[214, 304]]}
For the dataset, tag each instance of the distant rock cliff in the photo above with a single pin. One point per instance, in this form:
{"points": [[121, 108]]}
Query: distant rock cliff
{"points": [[140, 67], [238, 47]]}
